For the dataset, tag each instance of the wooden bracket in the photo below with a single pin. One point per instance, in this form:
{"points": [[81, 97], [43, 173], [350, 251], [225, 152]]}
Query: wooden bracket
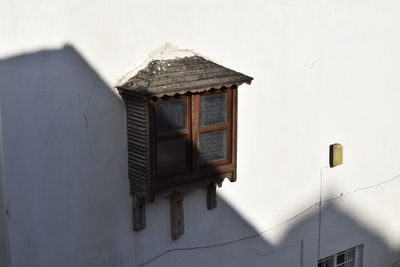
{"points": [[177, 218], [211, 196], [139, 213]]}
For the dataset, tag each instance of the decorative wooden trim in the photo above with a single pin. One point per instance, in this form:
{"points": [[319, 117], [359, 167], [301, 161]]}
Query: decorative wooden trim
{"points": [[208, 172], [137, 127], [214, 127], [211, 196], [199, 90], [177, 134], [195, 131], [234, 131], [152, 151], [139, 213], [177, 218]]}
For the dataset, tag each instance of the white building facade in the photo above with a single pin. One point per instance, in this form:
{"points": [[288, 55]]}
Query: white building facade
{"points": [[324, 72]]}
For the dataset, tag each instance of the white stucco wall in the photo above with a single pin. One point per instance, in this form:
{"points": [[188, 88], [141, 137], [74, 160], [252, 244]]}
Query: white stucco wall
{"points": [[324, 72]]}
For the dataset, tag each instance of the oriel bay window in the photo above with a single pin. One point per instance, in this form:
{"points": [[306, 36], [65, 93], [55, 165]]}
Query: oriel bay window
{"points": [[182, 131], [194, 137], [173, 139]]}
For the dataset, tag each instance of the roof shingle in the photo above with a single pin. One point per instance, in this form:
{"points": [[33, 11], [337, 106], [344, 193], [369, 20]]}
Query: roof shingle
{"points": [[181, 75]]}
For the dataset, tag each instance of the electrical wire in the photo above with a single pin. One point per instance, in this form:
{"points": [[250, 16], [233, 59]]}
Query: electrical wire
{"points": [[278, 249]]}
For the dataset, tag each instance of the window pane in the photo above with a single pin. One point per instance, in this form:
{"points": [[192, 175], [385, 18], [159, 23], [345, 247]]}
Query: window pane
{"points": [[329, 262], [171, 156], [352, 254], [343, 259], [213, 146], [340, 258], [170, 115], [326, 262], [213, 109]]}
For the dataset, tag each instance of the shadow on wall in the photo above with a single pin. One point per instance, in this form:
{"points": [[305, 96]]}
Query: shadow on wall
{"points": [[65, 170], [65, 162], [222, 237]]}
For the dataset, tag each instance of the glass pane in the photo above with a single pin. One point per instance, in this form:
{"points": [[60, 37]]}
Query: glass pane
{"points": [[171, 156], [326, 262], [352, 254], [351, 264], [329, 262], [340, 258], [213, 109], [213, 146], [170, 115]]}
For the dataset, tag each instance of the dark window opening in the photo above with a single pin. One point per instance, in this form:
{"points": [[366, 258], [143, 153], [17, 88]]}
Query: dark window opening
{"points": [[193, 133]]}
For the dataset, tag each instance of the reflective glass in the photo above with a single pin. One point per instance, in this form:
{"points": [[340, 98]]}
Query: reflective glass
{"points": [[213, 146], [171, 155], [340, 258], [326, 262], [171, 115], [352, 254], [213, 109]]}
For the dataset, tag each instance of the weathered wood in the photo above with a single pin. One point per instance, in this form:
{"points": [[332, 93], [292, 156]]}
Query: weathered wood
{"points": [[197, 170], [209, 171], [187, 78], [234, 131], [139, 213], [189, 73], [138, 144], [177, 218], [195, 132], [211, 196], [214, 127]]}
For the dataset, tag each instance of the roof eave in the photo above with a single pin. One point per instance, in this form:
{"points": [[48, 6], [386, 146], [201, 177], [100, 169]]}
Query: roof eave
{"points": [[145, 91]]}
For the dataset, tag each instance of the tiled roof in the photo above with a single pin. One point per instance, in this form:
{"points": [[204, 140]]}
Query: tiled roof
{"points": [[181, 75]]}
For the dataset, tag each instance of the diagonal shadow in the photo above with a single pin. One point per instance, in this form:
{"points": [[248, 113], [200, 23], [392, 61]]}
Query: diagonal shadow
{"points": [[64, 140], [298, 247], [65, 171]]}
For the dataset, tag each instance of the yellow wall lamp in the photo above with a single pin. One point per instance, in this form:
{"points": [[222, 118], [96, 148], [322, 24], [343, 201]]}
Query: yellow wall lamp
{"points": [[335, 155]]}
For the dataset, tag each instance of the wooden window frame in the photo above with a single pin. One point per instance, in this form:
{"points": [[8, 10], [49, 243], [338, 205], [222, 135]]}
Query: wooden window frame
{"points": [[196, 170]]}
